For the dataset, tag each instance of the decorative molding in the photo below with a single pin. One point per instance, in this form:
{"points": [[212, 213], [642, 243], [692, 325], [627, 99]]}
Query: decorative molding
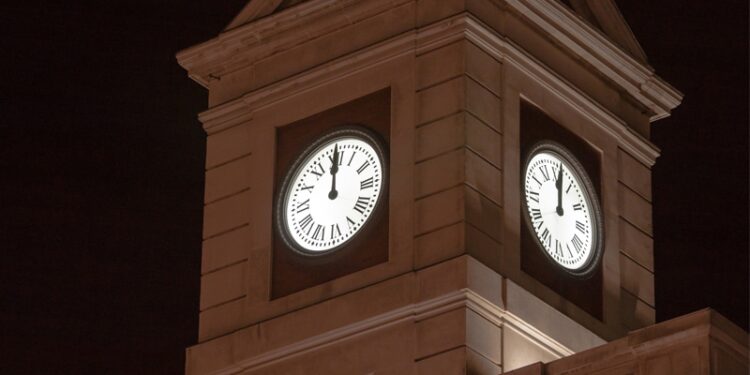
{"points": [[509, 53], [701, 341], [616, 27], [241, 46], [462, 298], [253, 10], [311, 19], [239, 110], [506, 319], [587, 44], [462, 26], [376, 55], [225, 117]]}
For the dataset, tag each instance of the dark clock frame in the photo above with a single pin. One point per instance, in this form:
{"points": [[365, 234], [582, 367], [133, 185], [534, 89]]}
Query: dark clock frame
{"points": [[586, 293], [593, 262], [292, 271]]}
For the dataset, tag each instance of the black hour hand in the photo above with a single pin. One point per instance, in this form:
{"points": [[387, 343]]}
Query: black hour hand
{"points": [[559, 186], [334, 169]]}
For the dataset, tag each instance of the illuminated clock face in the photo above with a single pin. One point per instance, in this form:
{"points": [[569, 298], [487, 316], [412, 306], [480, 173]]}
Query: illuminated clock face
{"points": [[561, 208], [332, 191]]}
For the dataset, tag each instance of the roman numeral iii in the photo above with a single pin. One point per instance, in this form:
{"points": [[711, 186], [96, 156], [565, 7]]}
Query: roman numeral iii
{"points": [[366, 183]]}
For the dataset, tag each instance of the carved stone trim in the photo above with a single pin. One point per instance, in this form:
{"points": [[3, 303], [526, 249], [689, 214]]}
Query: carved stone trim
{"points": [[433, 36], [462, 298]]}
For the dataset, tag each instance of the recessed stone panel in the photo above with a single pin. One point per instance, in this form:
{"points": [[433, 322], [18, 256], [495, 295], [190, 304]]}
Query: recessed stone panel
{"points": [[222, 285], [335, 44], [227, 179], [484, 177], [439, 210], [441, 100], [636, 244], [227, 145], [225, 249], [635, 209], [634, 174], [440, 137], [220, 319], [637, 280], [226, 214], [483, 140], [439, 245], [440, 173], [635, 313], [441, 64]]}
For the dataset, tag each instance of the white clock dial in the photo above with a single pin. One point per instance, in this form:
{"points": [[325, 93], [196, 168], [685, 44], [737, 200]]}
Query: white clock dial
{"points": [[332, 191], [561, 208]]}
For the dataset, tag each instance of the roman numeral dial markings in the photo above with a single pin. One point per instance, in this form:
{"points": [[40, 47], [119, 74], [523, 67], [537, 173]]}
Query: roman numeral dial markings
{"points": [[331, 192], [361, 204], [366, 183], [303, 206], [558, 207]]}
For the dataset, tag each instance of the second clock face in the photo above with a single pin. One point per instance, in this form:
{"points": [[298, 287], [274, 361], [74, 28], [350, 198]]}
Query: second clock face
{"points": [[561, 208], [332, 191]]}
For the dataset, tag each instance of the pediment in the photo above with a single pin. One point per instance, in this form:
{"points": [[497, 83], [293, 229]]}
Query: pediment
{"points": [[256, 9], [605, 16]]}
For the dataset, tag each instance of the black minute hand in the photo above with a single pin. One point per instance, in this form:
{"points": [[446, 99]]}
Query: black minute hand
{"points": [[559, 186], [334, 169]]}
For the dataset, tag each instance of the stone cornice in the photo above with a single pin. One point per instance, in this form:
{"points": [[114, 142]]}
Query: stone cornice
{"points": [[463, 26], [510, 53], [462, 298], [614, 25], [240, 110], [253, 10], [242, 46], [703, 327], [589, 45]]}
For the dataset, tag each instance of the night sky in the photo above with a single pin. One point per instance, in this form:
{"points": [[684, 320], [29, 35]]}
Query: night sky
{"points": [[102, 175]]}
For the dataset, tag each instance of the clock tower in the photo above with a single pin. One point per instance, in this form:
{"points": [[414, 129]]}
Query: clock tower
{"points": [[423, 186]]}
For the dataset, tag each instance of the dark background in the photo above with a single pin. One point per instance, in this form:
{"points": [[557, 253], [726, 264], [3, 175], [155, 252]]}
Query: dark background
{"points": [[101, 188]]}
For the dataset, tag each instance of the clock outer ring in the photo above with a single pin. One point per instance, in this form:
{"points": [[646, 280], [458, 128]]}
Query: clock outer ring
{"points": [[585, 271], [356, 131]]}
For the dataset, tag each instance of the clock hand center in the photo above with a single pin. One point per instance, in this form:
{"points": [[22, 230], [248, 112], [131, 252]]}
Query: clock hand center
{"points": [[559, 186], [334, 169]]}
